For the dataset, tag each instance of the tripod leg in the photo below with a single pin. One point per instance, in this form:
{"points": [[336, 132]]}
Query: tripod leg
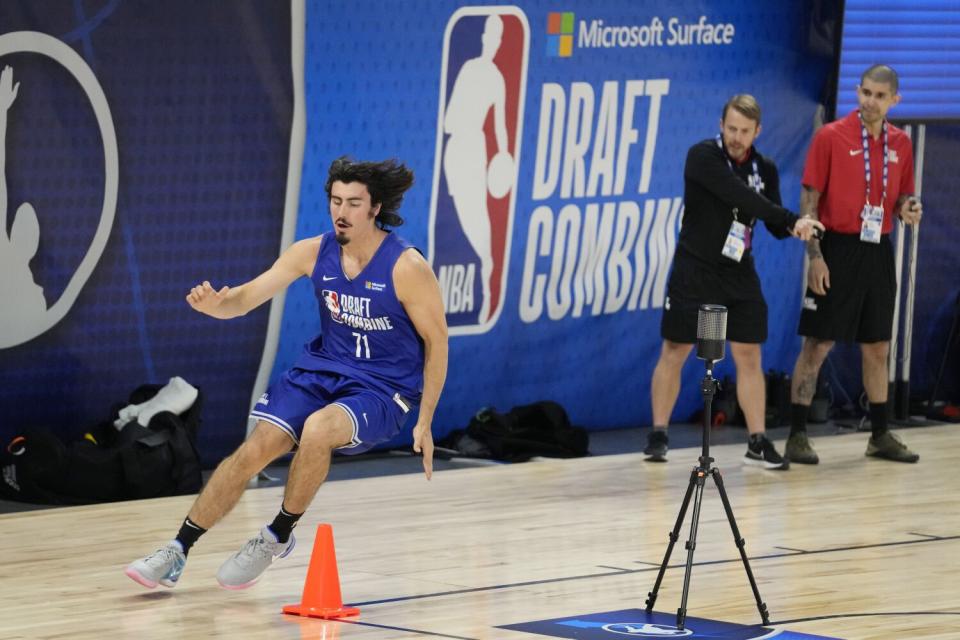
{"points": [[699, 477], [741, 544], [674, 536]]}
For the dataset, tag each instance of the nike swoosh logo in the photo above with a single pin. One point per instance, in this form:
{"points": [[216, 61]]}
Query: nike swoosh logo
{"points": [[326, 279], [365, 419], [855, 152]]}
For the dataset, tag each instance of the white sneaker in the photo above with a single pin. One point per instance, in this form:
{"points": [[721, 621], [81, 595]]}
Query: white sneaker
{"points": [[245, 567], [163, 566]]}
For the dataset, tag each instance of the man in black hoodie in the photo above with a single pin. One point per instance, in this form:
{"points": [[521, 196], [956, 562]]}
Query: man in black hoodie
{"points": [[728, 186]]}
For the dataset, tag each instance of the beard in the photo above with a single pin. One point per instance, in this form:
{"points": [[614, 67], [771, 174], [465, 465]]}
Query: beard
{"points": [[342, 239]]}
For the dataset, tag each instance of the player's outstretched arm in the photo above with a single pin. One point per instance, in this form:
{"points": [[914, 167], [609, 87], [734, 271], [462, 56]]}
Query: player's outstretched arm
{"points": [[230, 302], [419, 293]]}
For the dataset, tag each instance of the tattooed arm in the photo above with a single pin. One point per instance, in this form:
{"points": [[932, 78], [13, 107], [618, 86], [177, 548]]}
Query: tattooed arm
{"points": [[818, 275]]}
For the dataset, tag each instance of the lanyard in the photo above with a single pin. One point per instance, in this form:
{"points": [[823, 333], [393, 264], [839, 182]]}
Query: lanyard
{"points": [[866, 159], [754, 181]]}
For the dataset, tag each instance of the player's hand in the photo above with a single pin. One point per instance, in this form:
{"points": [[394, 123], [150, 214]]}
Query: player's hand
{"points": [[807, 228], [423, 443], [911, 211], [205, 299], [818, 276]]}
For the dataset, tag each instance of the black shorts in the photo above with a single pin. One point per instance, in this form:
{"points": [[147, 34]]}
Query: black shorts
{"points": [[859, 304], [694, 282]]}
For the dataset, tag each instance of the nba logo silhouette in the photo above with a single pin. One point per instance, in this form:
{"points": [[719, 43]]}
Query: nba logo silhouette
{"points": [[479, 125], [26, 309]]}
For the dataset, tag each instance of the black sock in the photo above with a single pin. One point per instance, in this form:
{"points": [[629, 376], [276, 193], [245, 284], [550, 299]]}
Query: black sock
{"points": [[757, 438], [189, 532], [282, 526], [878, 418], [798, 417]]}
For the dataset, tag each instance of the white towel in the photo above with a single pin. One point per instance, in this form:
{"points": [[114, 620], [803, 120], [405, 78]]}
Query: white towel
{"points": [[177, 396]]}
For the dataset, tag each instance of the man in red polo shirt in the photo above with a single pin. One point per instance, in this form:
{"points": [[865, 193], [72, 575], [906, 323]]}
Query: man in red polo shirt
{"points": [[858, 176]]}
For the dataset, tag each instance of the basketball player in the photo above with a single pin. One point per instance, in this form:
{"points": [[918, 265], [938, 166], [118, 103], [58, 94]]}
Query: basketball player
{"points": [[382, 354]]}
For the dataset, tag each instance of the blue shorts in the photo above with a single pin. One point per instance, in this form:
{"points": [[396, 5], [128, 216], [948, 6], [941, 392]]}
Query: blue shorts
{"points": [[299, 393]]}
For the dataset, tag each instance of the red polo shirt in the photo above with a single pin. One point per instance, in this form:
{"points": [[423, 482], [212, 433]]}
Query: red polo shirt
{"points": [[835, 168]]}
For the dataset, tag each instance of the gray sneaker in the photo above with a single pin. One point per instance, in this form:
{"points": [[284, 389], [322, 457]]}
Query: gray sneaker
{"points": [[245, 567], [890, 446], [800, 450], [163, 566]]}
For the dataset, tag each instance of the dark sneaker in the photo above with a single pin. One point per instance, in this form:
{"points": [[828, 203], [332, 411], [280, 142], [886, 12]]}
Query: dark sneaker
{"points": [[657, 442], [889, 445], [762, 453], [800, 450]]}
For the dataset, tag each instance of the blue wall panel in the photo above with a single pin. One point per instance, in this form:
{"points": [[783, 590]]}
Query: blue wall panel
{"points": [[376, 88], [200, 97]]}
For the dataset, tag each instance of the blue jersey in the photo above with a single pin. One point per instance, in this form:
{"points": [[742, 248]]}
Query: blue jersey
{"points": [[366, 334]]}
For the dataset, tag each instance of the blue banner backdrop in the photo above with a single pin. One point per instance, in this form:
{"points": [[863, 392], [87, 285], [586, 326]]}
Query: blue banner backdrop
{"points": [[554, 272], [150, 141]]}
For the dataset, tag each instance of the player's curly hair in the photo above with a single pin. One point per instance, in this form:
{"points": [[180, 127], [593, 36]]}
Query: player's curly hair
{"points": [[386, 181]]}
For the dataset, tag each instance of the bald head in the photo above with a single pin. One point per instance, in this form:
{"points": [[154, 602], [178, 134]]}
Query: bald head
{"points": [[881, 73]]}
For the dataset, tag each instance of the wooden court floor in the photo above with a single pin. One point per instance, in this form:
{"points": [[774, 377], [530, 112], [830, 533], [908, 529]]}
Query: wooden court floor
{"points": [[852, 548]]}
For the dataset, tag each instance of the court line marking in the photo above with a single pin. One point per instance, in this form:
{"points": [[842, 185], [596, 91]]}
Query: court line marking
{"points": [[417, 631], [924, 535], [864, 615], [620, 572], [771, 624]]}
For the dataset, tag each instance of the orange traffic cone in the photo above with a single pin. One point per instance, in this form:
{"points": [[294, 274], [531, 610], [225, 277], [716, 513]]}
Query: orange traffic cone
{"points": [[321, 591]]}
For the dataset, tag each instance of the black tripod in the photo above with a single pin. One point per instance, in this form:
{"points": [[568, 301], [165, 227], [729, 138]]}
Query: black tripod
{"points": [[698, 477]]}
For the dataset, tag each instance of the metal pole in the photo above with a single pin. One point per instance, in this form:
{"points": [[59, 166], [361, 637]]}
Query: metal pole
{"points": [[903, 384], [298, 136], [895, 333]]}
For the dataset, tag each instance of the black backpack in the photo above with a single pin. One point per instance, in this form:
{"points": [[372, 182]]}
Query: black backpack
{"points": [[107, 465], [538, 429]]}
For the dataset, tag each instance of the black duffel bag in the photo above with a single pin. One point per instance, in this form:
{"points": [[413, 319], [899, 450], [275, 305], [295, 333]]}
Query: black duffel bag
{"points": [[537, 429], [106, 465]]}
